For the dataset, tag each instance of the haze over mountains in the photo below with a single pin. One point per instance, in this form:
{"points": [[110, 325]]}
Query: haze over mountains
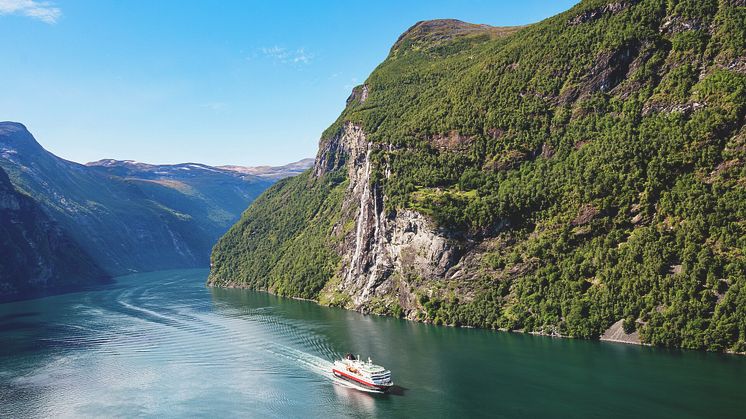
{"points": [[120, 216]]}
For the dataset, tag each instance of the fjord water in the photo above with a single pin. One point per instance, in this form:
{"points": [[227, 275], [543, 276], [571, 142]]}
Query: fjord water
{"points": [[162, 344]]}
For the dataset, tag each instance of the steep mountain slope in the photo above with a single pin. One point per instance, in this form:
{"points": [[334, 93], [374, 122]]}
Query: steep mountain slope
{"points": [[130, 216], [575, 176], [37, 256]]}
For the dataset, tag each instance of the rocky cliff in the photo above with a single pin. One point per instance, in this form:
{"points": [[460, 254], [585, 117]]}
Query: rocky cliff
{"points": [[385, 248], [562, 178]]}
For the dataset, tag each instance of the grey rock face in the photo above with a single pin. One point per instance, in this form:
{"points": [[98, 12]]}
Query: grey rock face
{"points": [[384, 250]]}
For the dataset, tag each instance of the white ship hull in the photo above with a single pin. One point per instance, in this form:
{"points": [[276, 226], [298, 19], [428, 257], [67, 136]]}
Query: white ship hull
{"points": [[363, 374]]}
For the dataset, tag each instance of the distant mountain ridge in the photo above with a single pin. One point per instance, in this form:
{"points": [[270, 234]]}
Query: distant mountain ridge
{"points": [[274, 172], [129, 216], [126, 168]]}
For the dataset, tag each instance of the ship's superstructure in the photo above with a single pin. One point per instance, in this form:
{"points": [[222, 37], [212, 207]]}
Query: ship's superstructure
{"points": [[366, 374]]}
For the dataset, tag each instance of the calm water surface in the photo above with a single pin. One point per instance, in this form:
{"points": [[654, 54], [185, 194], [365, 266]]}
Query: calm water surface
{"points": [[162, 344]]}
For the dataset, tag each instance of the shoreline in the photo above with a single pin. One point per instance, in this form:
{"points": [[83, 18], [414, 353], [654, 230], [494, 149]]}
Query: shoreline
{"points": [[534, 333]]}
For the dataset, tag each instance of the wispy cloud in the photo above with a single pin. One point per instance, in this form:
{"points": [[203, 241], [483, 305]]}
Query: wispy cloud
{"points": [[214, 106], [287, 56], [40, 10]]}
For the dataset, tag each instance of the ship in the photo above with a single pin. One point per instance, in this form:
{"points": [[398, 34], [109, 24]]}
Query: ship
{"points": [[365, 374]]}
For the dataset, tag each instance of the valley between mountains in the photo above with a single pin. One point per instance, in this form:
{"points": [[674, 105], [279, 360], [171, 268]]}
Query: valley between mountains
{"points": [[66, 225], [583, 176]]}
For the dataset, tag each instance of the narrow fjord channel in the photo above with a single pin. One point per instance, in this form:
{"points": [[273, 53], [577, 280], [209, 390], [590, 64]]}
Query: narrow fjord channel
{"points": [[162, 344]]}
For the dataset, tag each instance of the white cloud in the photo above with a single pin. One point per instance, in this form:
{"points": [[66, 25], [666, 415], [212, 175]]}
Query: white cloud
{"points": [[287, 56], [41, 10]]}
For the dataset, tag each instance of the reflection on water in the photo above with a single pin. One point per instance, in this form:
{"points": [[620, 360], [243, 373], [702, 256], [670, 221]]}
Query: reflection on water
{"points": [[162, 344], [359, 400]]}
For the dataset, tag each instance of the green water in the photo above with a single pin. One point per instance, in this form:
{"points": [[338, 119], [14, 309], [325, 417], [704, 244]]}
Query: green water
{"points": [[163, 345]]}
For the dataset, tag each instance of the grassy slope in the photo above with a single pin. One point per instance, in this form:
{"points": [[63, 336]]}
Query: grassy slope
{"points": [[612, 141]]}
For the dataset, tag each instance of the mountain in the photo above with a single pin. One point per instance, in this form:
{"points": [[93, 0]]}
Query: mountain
{"points": [[274, 172], [37, 256], [130, 216], [581, 176]]}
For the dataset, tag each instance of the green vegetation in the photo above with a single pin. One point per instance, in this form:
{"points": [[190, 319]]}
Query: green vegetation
{"points": [[609, 141], [295, 260]]}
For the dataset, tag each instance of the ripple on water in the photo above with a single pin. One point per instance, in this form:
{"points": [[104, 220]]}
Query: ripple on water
{"points": [[161, 344]]}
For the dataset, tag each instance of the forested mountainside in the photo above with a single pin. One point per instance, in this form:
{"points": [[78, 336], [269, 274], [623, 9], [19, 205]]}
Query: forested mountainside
{"points": [[560, 178], [37, 257], [129, 216]]}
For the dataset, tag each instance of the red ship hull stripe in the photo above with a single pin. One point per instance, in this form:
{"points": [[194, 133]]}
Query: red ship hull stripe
{"points": [[357, 379]]}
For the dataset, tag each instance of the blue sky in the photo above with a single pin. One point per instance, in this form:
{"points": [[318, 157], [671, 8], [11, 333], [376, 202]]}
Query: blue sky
{"points": [[217, 82]]}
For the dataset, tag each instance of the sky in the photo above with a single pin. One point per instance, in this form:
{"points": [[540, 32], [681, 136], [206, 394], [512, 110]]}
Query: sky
{"points": [[217, 82]]}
